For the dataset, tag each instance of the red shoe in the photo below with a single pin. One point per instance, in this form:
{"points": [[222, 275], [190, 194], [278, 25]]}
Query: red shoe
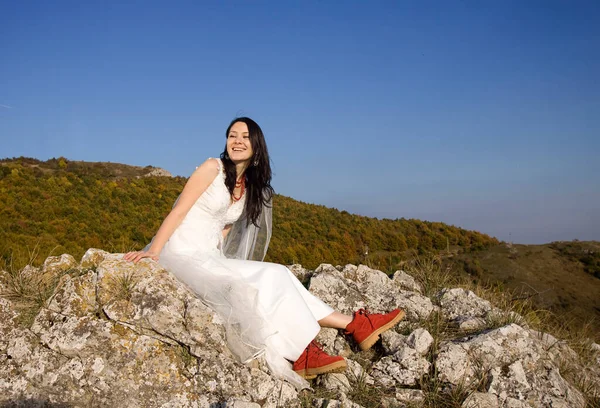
{"points": [[366, 327], [314, 361]]}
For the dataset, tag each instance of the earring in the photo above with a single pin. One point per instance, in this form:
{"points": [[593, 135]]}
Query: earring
{"points": [[226, 156], [255, 162]]}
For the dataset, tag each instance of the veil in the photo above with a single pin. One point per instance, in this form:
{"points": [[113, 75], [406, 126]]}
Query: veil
{"points": [[250, 242]]}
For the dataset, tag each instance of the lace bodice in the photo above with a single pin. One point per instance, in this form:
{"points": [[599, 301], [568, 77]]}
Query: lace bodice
{"points": [[202, 228]]}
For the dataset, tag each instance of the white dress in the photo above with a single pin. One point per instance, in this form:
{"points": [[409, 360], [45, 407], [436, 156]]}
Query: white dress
{"points": [[266, 309]]}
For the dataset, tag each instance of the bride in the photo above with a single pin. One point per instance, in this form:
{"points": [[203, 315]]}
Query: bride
{"points": [[214, 240]]}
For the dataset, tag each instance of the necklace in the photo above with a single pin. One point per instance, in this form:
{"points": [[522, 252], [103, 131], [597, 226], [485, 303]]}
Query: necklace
{"points": [[242, 184]]}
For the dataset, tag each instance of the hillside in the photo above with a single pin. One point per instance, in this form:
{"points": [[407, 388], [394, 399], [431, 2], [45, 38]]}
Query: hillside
{"points": [[562, 277], [62, 206]]}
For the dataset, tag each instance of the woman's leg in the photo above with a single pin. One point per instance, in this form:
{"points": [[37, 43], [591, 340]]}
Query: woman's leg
{"points": [[336, 320]]}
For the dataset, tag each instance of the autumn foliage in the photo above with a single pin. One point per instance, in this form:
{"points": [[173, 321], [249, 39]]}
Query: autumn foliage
{"points": [[61, 206]]}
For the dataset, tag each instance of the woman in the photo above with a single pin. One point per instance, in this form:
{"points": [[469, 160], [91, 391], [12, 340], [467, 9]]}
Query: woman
{"points": [[221, 220]]}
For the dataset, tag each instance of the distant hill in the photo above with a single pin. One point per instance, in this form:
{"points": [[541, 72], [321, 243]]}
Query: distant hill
{"points": [[563, 277], [61, 205]]}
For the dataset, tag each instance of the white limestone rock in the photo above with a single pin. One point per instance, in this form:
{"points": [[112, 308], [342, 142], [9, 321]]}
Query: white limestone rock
{"points": [[29, 272], [363, 287], [402, 369], [392, 341], [459, 303], [481, 400], [92, 258], [343, 402], [7, 322], [420, 340], [410, 395], [157, 172], [121, 334], [59, 264], [356, 373], [406, 282], [596, 349], [470, 324], [300, 272], [335, 382], [516, 362]]}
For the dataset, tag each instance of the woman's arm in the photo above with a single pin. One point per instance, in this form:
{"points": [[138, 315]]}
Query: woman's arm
{"points": [[226, 230], [195, 186]]}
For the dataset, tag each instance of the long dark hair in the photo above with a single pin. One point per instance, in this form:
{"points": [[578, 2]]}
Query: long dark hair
{"points": [[258, 174]]}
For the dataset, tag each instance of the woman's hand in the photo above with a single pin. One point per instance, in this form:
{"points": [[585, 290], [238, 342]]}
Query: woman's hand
{"points": [[135, 256]]}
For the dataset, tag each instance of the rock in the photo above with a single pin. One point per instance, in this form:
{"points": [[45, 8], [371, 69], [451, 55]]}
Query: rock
{"points": [[7, 322], [127, 346], [343, 402], [420, 340], [357, 374], [459, 303], [404, 368], [331, 287], [92, 258], [56, 265], [151, 301], [467, 323], [596, 350], [119, 334], [515, 403], [480, 400], [158, 172], [75, 296], [392, 341], [29, 272], [324, 267], [406, 282], [416, 306], [353, 289], [335, 382], [409, 395], [240, 404], [514, 363], [349, 271], [299, 272]]}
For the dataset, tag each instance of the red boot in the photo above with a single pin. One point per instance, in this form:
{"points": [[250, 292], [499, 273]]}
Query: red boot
{"points": [[366, 327], [314, 361]]}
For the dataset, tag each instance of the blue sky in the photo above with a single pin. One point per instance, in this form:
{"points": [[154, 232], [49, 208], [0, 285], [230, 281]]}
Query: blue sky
{"points": [[484, 115]]}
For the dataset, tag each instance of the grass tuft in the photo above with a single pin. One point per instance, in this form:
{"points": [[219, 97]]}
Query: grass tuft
{"points": [[123, 286], [28, 288], [430, 273]]}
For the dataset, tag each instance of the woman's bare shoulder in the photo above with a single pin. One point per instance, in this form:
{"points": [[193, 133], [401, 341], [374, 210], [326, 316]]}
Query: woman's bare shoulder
{"points": [[198, 182], [210, 164]]}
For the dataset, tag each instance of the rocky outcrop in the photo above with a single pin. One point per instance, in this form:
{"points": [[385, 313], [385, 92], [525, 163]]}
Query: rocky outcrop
{"points": [[117, 334], [158, 172]]}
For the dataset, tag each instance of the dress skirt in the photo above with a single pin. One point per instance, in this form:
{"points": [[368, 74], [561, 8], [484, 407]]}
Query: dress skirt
{"points": [[266, 310]]}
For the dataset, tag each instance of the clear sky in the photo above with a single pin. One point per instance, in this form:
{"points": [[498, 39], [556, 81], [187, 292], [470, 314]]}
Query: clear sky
{"points": [[480, 114]]}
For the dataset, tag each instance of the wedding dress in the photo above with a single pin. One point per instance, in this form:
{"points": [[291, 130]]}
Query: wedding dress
{"points": [[266, 310]]}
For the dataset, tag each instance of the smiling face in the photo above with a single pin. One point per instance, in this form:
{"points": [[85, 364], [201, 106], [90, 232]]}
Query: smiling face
{"points": [[239, 147]]}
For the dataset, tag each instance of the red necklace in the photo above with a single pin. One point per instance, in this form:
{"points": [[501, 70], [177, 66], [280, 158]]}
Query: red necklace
{"points": [[242, 184]]}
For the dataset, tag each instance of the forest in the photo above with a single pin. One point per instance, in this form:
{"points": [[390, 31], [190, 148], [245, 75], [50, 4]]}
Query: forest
{"points": [[62, 206]]}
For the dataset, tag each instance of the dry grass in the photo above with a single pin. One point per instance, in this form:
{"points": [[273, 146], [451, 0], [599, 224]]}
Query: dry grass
{"points": [[307, 397], [28, 288], [430, 273], [122, 286]]}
